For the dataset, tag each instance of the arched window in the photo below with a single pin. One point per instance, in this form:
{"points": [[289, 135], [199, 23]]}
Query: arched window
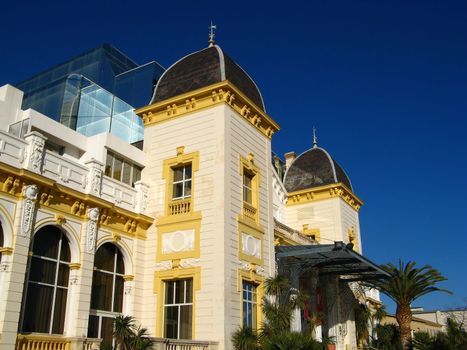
{"points": [[107, 291], [47, 283]]}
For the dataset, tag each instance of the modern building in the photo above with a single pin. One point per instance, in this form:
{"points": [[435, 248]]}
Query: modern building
{"points": [[94, 92], [180, 234]]}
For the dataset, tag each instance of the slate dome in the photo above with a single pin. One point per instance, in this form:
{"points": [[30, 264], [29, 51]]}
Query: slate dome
{"points": [[314, 168], [204, 68]]}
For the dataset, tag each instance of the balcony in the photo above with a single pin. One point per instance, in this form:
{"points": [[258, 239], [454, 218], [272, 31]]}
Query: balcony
{"points": [[50, 342], [174, 344], [180, 206], [30, 154], [249, 211]]}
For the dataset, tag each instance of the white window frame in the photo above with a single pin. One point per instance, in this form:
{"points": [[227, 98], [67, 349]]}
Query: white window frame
{"points": [[251, 304], [178, 305], [183, 181]]}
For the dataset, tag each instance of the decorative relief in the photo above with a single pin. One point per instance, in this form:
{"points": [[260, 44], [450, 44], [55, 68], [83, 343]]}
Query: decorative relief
{"points": [[91, 229], [178, 241], [59, 219], [37, 152], [128, 288], [260, 270], [30, 196], [245, 266], [74, 279], [105, 217], [78, 208], [46, 197], [4, 266], [11, 185], [190, 262], [251, 245], [142, 196], [163, 266], [96, 179], [130, 226]]}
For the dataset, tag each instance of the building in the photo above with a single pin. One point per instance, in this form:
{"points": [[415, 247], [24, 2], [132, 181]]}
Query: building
{"points": [[182, 233], [441, 316], [418, 324]]}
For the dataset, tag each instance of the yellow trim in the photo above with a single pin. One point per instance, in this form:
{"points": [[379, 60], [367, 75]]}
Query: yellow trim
{"points": [[314, 233], [39, 341], [252, 277], [250, 212], [169, 275], [181, 159], [254, 231], [128, 278], [179, 223], [352, 238], [6, 250], [62, 200], [74, 266], [316, 194], [220, 93]]}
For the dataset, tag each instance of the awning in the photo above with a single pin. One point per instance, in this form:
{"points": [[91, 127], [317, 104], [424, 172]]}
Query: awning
{"points": [[331, 259]]}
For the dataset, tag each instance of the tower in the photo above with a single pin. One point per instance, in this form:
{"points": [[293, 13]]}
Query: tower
{"points": [[208, 148]]}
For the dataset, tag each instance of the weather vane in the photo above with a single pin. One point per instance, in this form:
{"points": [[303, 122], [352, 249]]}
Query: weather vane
{"points": [[315, 138], [212, 28]]}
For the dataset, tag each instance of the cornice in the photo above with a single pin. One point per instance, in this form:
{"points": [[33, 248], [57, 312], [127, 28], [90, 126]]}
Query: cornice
{"points": [[338, 190], [220, 93]]}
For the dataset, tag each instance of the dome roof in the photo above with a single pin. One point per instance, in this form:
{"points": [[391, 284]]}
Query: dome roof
{"points": [[314, 168], [204, 68]]}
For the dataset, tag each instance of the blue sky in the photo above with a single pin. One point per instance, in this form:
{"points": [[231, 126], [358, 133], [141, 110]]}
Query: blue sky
{"points": [[384, 82]]}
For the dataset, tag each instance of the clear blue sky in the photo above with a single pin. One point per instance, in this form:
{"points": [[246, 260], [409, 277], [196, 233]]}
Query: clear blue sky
{"points": [[384, 82]]}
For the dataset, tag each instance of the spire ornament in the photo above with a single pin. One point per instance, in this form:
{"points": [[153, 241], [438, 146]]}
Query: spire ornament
{"points": [[212, 28], [315, 138]]}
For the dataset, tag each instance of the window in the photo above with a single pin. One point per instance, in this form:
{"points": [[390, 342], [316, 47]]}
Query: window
{"points": [[178, 309], [122, 170], [107, 291], [47, 283], [181, 182], [250, 177], [249, 304], [247, 187]]}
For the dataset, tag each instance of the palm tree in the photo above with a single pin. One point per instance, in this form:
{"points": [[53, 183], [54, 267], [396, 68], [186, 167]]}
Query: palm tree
{"points": [[123, 331], [406, 284]]}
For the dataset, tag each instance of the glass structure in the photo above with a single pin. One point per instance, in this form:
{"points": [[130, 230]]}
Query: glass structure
{"points": [[47, 283], [94, 92]]}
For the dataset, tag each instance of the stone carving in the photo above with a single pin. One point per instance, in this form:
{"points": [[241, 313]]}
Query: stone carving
{"points": [[91, 230], [30, 196], [190, 262], [11, 185], [164, 265], [96, 179], [260, 270], [4, 265], [74, 279], [37, 153], [245, 266], [251, 245], [128, 288], [178, 241]]}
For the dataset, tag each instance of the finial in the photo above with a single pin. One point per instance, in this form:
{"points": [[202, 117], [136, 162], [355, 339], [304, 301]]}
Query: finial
{"points": [[315, 138], [212, 27]]}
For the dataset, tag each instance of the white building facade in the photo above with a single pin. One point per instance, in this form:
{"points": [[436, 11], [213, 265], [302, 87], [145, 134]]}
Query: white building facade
{"points": [[180, 235]]}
